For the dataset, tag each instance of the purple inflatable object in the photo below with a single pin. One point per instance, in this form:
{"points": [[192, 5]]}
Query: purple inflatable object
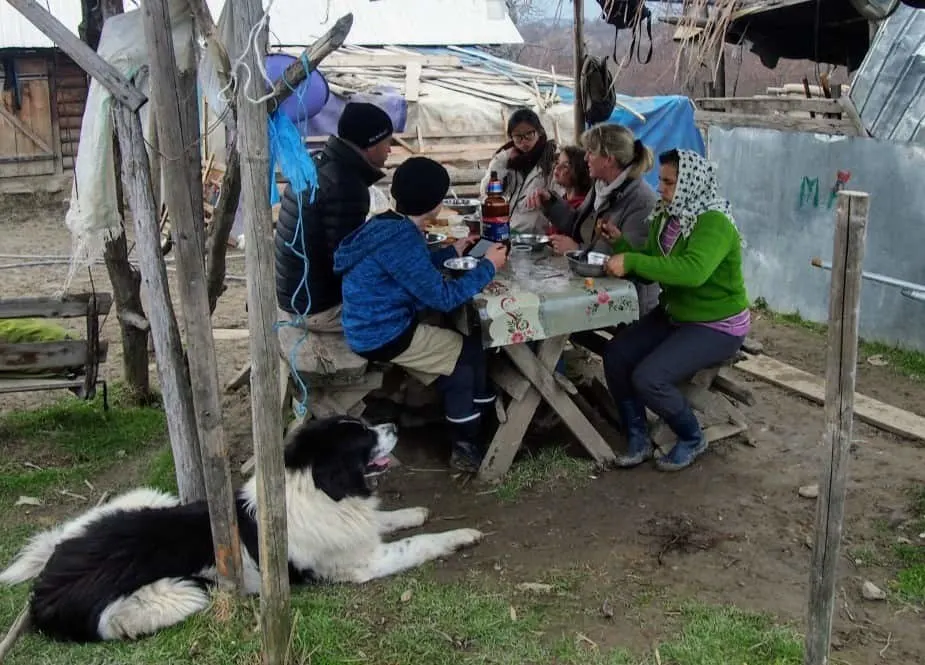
{"points": [[309, 97]]}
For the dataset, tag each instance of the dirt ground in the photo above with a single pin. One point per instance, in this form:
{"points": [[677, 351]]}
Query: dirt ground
{"points": [[749, 529]]}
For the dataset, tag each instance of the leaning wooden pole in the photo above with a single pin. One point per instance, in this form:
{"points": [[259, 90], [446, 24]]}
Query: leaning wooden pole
{"points": [[176, 144], [841, 364], [264, 347], [168, 348]]}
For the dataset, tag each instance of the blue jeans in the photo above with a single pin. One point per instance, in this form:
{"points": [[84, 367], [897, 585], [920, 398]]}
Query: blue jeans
{"points": [[467, 386]]}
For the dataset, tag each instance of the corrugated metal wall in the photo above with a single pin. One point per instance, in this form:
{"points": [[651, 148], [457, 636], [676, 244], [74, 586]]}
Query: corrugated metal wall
{"points": [[889, 88], [780, 185]]}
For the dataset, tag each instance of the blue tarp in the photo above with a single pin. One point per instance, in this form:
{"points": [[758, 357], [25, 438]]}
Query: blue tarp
{"points": [[669, 124]]}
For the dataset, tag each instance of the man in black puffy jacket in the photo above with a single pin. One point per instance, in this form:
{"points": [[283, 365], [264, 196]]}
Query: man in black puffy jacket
{"points": [[348, 165]]}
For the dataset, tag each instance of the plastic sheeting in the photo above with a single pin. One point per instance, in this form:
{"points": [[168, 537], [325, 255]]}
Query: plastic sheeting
{"points": [[93, 215], [887, 89]]}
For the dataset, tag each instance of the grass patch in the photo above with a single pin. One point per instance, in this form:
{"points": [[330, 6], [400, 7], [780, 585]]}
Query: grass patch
{"points": [[415, 619], [729, 636], [909, 583], [906, 362], [550, 465], [162, 473], [71, 440]]}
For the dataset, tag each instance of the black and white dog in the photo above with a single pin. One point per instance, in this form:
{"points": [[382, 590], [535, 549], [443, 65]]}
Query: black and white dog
{"points": [[143, 561]]}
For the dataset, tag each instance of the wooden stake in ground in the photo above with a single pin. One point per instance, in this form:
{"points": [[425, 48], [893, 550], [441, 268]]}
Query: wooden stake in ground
{"points": [[579, 48], [264, 347], [175, 145], [19, 628], [841, 369]]}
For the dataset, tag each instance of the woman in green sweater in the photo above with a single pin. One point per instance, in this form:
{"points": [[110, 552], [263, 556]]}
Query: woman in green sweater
{"points": [[694, 251]]}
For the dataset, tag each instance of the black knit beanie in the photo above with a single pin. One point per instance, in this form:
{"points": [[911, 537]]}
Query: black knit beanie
{"points": [[364, 125], [419, 185]]}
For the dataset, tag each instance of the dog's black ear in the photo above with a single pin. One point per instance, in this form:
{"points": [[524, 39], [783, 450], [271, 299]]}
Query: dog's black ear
{"points": [[342, 476]]}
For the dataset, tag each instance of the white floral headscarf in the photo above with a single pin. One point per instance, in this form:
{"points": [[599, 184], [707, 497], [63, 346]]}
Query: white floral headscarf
{"points": [[694, 194]]}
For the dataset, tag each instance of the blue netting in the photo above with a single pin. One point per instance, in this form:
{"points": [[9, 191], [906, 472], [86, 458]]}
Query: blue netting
{"points": [[298, 168]]}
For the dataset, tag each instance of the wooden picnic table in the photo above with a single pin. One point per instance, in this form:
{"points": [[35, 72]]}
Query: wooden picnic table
{"points": [[536, 298]]}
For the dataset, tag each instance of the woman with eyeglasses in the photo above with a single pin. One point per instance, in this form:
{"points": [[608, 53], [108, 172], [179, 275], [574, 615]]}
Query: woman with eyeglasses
{"points": [[524, 165]]}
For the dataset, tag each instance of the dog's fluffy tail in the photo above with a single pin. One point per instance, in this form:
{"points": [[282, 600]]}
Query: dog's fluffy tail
{"points": [[32, 559], [38, 550]]}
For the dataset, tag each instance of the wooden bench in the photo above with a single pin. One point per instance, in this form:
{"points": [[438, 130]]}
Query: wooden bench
{"points": [[713, 393], [63, 365], [331, 394]]}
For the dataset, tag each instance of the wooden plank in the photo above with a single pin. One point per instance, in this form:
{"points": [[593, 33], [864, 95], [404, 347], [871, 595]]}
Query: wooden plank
{"points": [[375, 61], [544, 381], [412, 81], [19, 126], [758, 105], [26, 385], [780, 122], [80, 53], [510, 434], [70, 306], [807, 385], [43, 355]]}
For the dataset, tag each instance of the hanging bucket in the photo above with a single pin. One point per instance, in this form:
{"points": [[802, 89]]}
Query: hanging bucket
{"points": [[309, 97]]}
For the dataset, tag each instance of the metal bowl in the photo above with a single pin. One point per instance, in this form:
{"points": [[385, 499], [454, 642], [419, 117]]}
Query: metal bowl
{"points": [[533, 241], [592, 265], [461, 264], [434, 239], [463, 206]]}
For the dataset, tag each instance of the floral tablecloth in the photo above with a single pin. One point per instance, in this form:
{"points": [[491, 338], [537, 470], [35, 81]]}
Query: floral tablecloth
{"points": [[536, 297]]}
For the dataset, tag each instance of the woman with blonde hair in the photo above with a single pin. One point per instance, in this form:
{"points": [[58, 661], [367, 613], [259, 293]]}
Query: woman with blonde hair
{"points": [[620, 201]]}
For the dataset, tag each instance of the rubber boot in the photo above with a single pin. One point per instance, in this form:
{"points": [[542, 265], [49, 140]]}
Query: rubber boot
{"points": [[639, 443], [691, 442], [467, 447]]}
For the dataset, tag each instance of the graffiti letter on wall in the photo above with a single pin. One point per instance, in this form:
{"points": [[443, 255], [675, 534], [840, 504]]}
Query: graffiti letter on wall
{"points": [[809, 192]]}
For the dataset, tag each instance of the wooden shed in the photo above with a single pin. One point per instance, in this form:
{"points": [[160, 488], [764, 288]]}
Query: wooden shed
{"points": [[42, 98]]}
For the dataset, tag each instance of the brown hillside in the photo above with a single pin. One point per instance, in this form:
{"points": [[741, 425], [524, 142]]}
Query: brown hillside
{"points": [[548, 44]]}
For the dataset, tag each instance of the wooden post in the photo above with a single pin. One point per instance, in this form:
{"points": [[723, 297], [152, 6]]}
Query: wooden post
{"points": [[705, 68], [264, 347], [841, 364], [168, 349], [175, 144], [579, 35]]}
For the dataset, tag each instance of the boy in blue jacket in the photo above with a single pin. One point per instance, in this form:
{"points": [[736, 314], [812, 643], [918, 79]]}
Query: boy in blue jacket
{"points": [[390, 277]]}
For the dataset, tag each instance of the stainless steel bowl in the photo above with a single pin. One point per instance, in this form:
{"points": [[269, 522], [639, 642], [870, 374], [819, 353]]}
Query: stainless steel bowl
{"points": [[533, 241], [460, 264], [463, 206], [592, 265], [434, 239]]}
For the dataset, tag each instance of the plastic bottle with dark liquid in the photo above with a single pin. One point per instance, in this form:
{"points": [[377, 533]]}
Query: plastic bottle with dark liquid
{"points": [[496, 219]]}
